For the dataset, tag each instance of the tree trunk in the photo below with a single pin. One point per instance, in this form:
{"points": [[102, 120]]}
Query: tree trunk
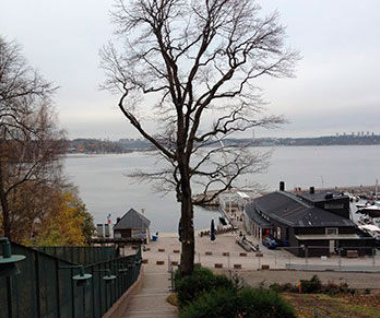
{"points": [[4, 206], [187, 232]]}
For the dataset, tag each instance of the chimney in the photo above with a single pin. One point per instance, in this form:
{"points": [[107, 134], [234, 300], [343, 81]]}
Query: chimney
{"points": [[329, 196], [312, 190], [282, 186]]}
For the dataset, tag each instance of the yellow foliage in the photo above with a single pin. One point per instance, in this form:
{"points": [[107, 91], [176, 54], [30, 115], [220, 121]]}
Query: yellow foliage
{"points": [[66, 227]]}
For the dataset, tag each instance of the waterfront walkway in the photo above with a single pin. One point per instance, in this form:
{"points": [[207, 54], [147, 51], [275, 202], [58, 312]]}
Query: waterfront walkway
{"points": [[150, 300], [226, 256]]}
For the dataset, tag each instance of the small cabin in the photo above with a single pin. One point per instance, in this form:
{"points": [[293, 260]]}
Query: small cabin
{"points": [[132, 225]]}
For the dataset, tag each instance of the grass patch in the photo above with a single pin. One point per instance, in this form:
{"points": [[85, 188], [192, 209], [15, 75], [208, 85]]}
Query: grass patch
{"points": [[172, 299], [337, 306]]}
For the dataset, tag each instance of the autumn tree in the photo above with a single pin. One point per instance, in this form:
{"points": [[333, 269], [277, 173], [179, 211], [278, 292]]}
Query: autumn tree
{"points": [[67, 223], [192, 67], [30, 141]]}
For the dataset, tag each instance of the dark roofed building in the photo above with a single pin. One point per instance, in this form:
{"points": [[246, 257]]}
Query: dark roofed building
{"points": [[293, 211], [132, 224], [298, 221], [332, 201]]}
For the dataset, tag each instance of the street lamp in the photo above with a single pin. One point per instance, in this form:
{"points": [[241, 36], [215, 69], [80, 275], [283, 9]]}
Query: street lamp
{"points": [[8, 261]]}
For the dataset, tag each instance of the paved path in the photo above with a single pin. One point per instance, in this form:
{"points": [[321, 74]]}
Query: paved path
{"points": [[150, 300]]}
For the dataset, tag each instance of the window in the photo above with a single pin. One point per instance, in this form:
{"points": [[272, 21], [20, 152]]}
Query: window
{"points": [[332, 231], [278, 232], [333, 206]]}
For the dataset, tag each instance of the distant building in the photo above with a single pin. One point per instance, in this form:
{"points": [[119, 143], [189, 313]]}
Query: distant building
{"points": [[103, 230], [133, 224], [316, 222]]}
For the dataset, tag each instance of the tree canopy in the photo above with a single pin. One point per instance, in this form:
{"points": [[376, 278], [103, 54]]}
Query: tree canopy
{"points": [[193, 68], [30, 143]]}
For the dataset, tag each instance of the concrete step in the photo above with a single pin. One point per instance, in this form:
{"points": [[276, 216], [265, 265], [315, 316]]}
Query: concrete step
{"points": [[157, 313]]}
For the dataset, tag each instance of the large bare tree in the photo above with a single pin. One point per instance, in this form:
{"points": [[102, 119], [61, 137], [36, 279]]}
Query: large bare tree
{"points": [[30, 141], [192, 67]]}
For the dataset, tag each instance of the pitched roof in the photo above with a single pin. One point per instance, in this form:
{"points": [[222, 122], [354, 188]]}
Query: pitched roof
{"points": [[132, 219], [257, 218], [293, 211], [322, 196]]}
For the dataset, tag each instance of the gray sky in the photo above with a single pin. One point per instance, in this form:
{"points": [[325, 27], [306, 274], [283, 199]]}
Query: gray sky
{"points": [[336, 89]]}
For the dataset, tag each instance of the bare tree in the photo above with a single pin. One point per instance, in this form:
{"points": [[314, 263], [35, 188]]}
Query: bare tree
{"points": [[30, 142], [192, 66]]}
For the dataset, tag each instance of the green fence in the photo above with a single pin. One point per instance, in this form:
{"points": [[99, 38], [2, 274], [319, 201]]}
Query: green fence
{"points": [[45, 287], [80, 254]]}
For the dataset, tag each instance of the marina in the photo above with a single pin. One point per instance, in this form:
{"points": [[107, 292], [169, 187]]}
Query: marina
{"points": [[105, 186]]}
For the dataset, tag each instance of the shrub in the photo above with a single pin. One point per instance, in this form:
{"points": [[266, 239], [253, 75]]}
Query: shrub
{"points": [[249, 303], [198, 270], [219, 303], [201, 281], [287, 287], [263, 303], [313, 285]]}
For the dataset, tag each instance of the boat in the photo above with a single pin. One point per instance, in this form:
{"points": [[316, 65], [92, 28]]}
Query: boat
{"points": [[371, 230], [369, 208], [247, 244]]}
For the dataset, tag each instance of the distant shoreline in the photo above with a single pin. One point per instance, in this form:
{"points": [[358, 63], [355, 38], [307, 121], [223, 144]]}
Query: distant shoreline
{"points": [[98, 146]]}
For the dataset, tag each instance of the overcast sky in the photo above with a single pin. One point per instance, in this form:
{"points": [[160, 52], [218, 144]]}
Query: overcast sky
{"points": [[336, 89]]}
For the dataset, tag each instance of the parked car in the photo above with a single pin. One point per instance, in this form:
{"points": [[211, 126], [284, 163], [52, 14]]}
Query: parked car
{"points": [[270, 243], [279, 242]]}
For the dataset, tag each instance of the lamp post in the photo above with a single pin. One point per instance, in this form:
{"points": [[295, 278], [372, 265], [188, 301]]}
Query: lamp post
{"points": [[8, 268], [8, 261], [81, 280], [109, 278]]}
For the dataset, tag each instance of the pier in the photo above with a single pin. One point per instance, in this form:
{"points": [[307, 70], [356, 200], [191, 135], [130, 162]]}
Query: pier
{"points": [[370, 192], [363, 192]]}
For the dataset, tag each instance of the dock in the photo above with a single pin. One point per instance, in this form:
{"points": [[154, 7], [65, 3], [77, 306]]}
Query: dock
{"points": [[361, 191]]}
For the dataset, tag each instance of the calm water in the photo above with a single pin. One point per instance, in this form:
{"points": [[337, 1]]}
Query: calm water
{"points": [[105, 188]]}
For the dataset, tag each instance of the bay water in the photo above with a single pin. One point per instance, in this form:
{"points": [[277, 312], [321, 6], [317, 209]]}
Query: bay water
{"points": [[105, 187]]}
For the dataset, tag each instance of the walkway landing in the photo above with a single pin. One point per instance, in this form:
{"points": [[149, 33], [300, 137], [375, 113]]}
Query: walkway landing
{"points": [[150, 300]]}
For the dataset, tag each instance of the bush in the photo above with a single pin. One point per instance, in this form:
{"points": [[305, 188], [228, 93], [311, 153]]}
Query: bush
{"points": [[263, 303], [332, 289], [287, 287], [249, 303], [201, 281], [198, 270], [313, 285], [205, 295], [219, 303]]}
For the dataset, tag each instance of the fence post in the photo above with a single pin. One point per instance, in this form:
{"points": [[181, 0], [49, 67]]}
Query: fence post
{"points": [[37, 276], [93, 292], [9, 294], [340, 257], [307, 257], [84, 300], [57, 287], [275, 260], [72, 294], [373, 257]]}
